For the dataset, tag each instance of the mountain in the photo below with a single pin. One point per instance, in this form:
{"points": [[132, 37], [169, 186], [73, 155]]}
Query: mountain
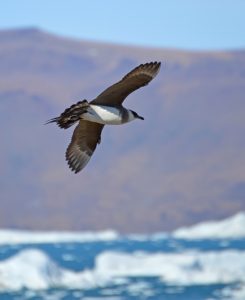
{"points": [[184, 164]]}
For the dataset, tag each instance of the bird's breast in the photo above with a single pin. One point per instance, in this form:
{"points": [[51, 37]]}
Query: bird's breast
{"points": [[103, 115]]}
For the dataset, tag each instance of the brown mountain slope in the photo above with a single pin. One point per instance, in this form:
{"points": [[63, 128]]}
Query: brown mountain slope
{"points": [[183, 164]]}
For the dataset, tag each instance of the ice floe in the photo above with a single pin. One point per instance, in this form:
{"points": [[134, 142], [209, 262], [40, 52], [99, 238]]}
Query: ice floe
{"points": [[11, 237], [186, 268], [35, 270], [232, 227]]}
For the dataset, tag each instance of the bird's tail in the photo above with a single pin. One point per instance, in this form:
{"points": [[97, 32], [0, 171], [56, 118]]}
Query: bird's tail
{"points": [[71, 115]]}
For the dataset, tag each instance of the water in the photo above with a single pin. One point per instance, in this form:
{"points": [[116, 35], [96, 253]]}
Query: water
{"points": [[107, 265]]}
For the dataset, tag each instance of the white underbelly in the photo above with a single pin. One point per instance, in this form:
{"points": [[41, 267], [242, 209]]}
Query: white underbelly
{"points": [[103, 115]]}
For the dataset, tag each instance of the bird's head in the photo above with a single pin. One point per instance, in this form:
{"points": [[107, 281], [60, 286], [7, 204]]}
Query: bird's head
{"points": [[134, 115]]}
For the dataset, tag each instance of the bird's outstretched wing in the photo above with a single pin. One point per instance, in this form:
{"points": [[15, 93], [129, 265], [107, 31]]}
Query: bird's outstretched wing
{"points": [[84, 140], [138, 77]]}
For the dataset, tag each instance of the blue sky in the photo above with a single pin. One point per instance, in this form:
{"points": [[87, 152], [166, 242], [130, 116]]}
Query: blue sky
{"points": [[188, 24]]}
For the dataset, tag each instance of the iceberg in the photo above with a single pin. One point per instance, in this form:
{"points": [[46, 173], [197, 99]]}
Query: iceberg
{"points": [[231, 228], [13, 237], [33, 269]]}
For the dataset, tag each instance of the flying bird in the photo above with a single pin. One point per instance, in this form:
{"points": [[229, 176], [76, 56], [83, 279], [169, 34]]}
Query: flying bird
{"points": [[106, 109]]}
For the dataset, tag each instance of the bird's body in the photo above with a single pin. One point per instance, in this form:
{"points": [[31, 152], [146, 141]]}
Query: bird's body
{"points": [[106, 109], [107, 115]]}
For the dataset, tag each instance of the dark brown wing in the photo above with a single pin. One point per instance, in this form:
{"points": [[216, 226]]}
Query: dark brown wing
{"points": [[138, 77], [85, 138]]}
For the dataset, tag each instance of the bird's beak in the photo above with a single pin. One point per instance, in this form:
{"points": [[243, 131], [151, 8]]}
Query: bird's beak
{"points": [[141, 118]]}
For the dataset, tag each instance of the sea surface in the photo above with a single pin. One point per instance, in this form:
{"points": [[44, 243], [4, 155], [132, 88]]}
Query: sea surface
{"points": [[206, 261]]}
